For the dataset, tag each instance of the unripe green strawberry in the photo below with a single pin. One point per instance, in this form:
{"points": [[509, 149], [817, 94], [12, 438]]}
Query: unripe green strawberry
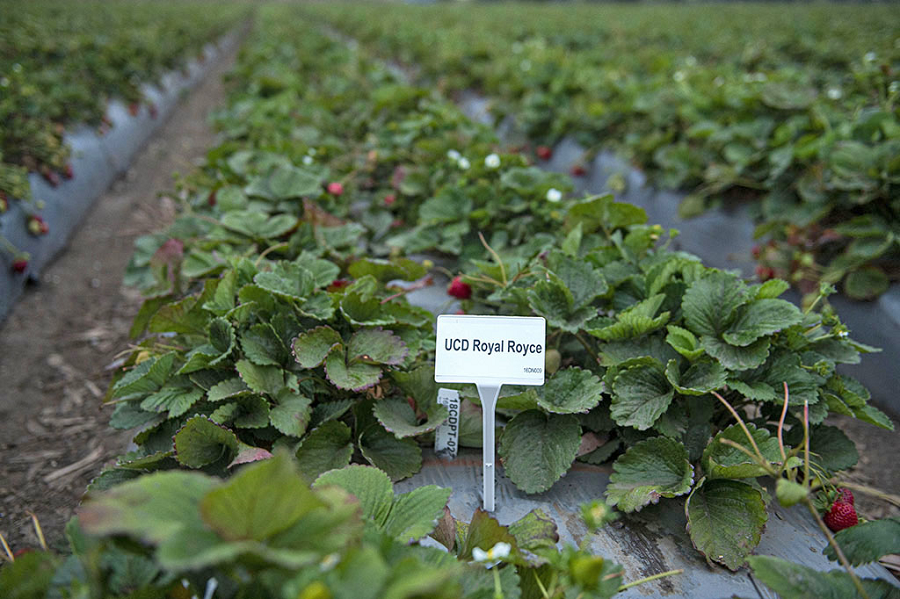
{"points": [[552, 360], [37, 226]]}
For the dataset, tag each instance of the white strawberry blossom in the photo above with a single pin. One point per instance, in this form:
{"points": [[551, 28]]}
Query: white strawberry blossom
{"points": [[307, 160], [463, 163], [870, 57], [492, 556], [834, 93], [554, 195], [492, 161], [453, 155]]}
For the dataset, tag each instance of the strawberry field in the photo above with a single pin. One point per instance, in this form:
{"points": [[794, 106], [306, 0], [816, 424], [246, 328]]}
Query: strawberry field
{"points": [[278, 384]]}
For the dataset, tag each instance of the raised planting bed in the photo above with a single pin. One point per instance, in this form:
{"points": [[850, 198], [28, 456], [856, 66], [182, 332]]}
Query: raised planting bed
{"points": [[274, 352], [721, 238], [770, 103], [651, 541], [96, 158]]}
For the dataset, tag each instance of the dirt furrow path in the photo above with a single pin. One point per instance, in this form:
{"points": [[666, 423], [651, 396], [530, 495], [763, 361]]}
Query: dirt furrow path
{"points": [[56, 343]]}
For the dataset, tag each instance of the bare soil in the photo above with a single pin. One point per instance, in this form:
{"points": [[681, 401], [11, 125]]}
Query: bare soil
{"points": [[57, 343]]}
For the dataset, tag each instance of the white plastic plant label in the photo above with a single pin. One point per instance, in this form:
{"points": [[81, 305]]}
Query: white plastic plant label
{"points": [[446, 436], [490, 351], [500, 350]]}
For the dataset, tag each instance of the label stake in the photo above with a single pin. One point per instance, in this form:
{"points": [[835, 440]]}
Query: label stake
{"points": [[488, 395]]}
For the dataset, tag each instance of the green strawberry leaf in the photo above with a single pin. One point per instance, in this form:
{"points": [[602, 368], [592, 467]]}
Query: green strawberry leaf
{"points": [[325, 448], [635, 321], [403, 269], [771, 289], [258, 503], [365, 310], [484, 532], [868, 541], [684, 342], [399, 458], [221, 337], [406, 518], [725, 520], [376, 346], [700, 378], [831, 449], [227, 389], [262, 346], [262, 379], [760, 318], [415, 514], [176, 399], [357, 376], [553, 300], [291, 414], [287, 280], [793, 581], [312, 347], [258, 225], [201, 442], [283, 183], [570, 391], [145, 378], [737, 358], [154, 508], [397, 416], [649, 470], [724, 461], [537, 448], [371, 487], [640, 394], [709, 305]]}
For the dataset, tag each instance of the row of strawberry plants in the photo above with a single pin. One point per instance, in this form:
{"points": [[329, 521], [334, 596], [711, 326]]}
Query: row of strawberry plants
{"points": [[777, 103], [61, 63], [271, 327]]}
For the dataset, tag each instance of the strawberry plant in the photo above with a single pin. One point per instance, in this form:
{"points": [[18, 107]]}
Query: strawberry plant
{"points": [[266, 532], [641, 337], [732, 108], [277, 324]]}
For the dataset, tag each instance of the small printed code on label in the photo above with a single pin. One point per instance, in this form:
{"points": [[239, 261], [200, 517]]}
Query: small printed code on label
{"points": [[533, 370], [446, 437]]}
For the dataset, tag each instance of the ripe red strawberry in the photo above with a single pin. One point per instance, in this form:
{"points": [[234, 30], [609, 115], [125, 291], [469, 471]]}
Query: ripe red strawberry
{"points": [[68, 173], [335, 188], [544, 152], [389, 199], [19, 265], [134, 108], [4, 203], [764, 272], [845, 496], [397, 222], [756, 251], [578, 170], [52, 177], [338, 284], [458, 289], [211, 199], [841, 516]]}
